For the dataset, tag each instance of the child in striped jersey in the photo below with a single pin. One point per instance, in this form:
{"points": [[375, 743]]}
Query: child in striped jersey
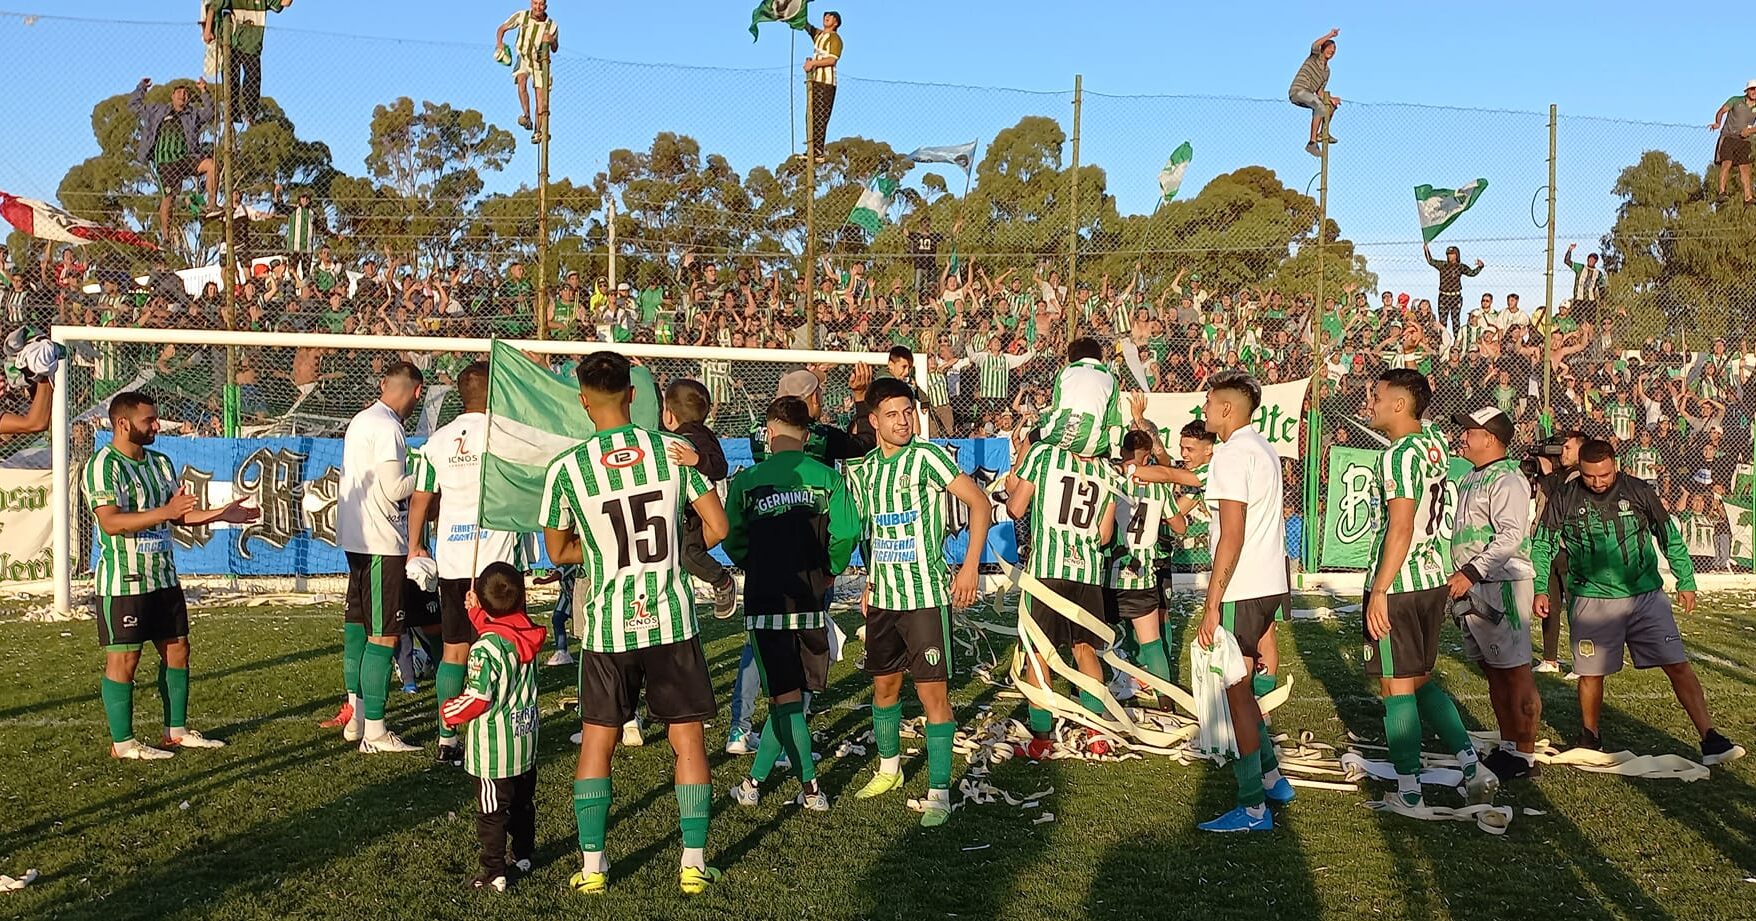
{"points": [[498, 710]]}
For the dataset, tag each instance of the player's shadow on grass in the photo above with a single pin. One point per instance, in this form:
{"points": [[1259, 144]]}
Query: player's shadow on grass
{"points": [[1455, 860], [148, 673]]}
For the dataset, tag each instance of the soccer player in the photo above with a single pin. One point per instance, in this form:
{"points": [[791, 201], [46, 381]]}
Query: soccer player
{"points": [[372, 530], [1070, 499], [1247, 590], [1131, 591], [1608, 524], [613, 505], [498, 708], [538, 37], [901, 491], [1491, 587], [134, 495], [1084, 414], [1406, 598], [799, 512], [448, 478]]}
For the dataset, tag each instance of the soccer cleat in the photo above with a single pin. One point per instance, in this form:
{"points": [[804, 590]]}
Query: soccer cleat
{"points": [[1547, 667], [1508, 765], [814, 800], [938, 808], [389, 742], [1479, 784], [746, 793], [410, 688], [341, 718], [742, 742], [559, 657], [1571, 675], [695, 881], [725, 597], [134, 751], [450, 752], [880, 784], [1280, 793], [1242, 818], [1037, 749], [1717, 749], [593, 883], [1589, 740], [1123, 686], [496, 883], [191, 739]]}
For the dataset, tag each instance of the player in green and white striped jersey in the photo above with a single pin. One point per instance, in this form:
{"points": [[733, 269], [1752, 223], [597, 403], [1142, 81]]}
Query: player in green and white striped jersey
{"points": [[135, 497], [614, 507], [1084, 415], [1132, 594], [1407, 598], [901, 490], [498, 709], [1070, 501], [538, 37]]}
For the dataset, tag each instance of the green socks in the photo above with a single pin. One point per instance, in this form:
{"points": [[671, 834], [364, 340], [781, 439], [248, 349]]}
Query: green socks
{"points": [[768, 750], [887, 729], [1265, 750], [1130, 643], [1154, 661], [939, 739], [1261, 683], [375, 678], [174, 694], [1248, 770], [1041, 720], [118, 709], [1439, 711], [1402, 733], [448, 683], [591, 810], [353, 646], [788, 722], [693, 800], [1091, 704]]}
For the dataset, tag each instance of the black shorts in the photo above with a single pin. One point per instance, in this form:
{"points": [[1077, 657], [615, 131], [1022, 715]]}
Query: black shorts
{"points": [[174, 173], [1412, 648], [420, 609], [917, 641], [1248, 620], [792, 660], [453, 616], [375, 585], [673, 676], [1062, 632], [128, 622], [1128, 603], [1735, 151]]}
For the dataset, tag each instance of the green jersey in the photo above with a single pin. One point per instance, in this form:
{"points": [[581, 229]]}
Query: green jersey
{"points": [[1073, 494], [902, 503], [1612, 540], [1642, 462], [502, 742], [799, 512], [620, 492], [1141, 511], [534, 37], [243, 22], [1621, 416], [137, 563], [1414, 467]]}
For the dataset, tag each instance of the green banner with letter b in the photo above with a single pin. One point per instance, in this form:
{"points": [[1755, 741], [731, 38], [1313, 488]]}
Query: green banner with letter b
{"points": [[1350, 524]]}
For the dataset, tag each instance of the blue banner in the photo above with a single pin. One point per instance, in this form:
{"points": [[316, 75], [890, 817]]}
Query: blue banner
{"points": [[294, 481]]}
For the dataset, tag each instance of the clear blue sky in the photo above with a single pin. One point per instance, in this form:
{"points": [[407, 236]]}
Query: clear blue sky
{"points": [[1412, 85]]}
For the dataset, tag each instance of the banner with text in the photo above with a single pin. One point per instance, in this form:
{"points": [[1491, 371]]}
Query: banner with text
{"points": [[26, 526], [1277, 418], [1349, 521]]}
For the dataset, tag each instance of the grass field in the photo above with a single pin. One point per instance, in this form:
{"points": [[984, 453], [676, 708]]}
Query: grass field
{"points": [[289, 822]]}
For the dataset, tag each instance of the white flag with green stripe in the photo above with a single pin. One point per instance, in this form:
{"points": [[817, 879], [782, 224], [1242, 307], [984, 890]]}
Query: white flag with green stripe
{"points": [[1439, 207], [873, 205], [534, 415], [1170, 179]]}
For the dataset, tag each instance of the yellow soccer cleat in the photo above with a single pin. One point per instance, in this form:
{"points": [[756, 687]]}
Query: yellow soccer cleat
{"points": [[880, 784], [696, 881], [593, 883]]}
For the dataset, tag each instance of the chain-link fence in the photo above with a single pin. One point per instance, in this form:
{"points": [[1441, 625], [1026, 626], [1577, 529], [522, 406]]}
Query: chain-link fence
{"points": [[686, 186]]}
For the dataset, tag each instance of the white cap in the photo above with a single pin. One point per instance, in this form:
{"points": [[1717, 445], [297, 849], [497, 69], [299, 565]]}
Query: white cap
{"points": [[1750, 86]]}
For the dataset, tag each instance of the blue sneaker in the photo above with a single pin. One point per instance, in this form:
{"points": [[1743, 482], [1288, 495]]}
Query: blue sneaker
{"points": [[410, 688], [1281, 793], [1240, 819]]}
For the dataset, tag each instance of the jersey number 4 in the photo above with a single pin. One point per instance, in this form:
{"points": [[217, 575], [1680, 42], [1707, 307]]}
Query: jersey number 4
{"points": [[639, 533]]}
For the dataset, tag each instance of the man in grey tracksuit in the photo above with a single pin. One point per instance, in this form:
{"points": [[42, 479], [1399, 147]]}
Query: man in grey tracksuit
{"points": [[1491, 585]]}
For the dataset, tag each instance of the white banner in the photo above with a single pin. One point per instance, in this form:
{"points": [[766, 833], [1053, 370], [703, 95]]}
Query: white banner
{"points": [[1277, 418], [26, 526]]}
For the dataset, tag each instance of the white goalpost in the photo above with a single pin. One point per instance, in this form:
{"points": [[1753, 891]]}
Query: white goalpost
{"points": [[104, 348]]}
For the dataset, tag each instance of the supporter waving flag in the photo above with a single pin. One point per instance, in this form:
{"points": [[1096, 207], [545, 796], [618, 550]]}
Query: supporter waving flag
{"points": [[791, 12], [47, 222]]}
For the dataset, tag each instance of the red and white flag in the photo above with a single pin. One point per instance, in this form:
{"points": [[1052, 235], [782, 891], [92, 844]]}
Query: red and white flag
{"points": [[47, 222]]}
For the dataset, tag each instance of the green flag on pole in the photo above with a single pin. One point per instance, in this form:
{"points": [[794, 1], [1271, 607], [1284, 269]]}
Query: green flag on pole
{"points": [[534, 415], [791, 12], [873, 204], [1439, 207], [1170, 179]]}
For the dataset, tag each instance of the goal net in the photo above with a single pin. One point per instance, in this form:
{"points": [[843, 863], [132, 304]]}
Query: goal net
{"points": [[260, 416]]}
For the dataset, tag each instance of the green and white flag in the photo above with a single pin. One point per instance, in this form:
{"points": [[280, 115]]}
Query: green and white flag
{"points": [[873, 205], [1439, 207], [1170, 179], [791, 12], [534, 415]]}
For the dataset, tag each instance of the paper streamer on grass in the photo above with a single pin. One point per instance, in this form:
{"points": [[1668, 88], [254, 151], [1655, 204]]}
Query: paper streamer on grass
{"points": [[13, 884], [1492, 819], [1622, 763]]}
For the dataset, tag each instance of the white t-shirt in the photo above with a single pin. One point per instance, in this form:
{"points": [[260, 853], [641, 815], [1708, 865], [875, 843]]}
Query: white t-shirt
{"points": [[1245, 469], [366, 519], [450, 465]]}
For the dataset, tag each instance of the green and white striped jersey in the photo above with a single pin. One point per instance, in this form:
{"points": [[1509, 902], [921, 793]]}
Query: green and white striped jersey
{"points": [[996, 372], [938, 387], [716, 376], [1072, 495], [902, 500], [1414, 467], [620, 492], [533, 39], [1141, 511], [1642, 462], [1621, 416], [138, 563], [1084, 414], [502, 742]]}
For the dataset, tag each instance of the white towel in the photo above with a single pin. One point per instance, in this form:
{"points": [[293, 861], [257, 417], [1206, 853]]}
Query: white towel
{"points": [[1212, 671]]}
